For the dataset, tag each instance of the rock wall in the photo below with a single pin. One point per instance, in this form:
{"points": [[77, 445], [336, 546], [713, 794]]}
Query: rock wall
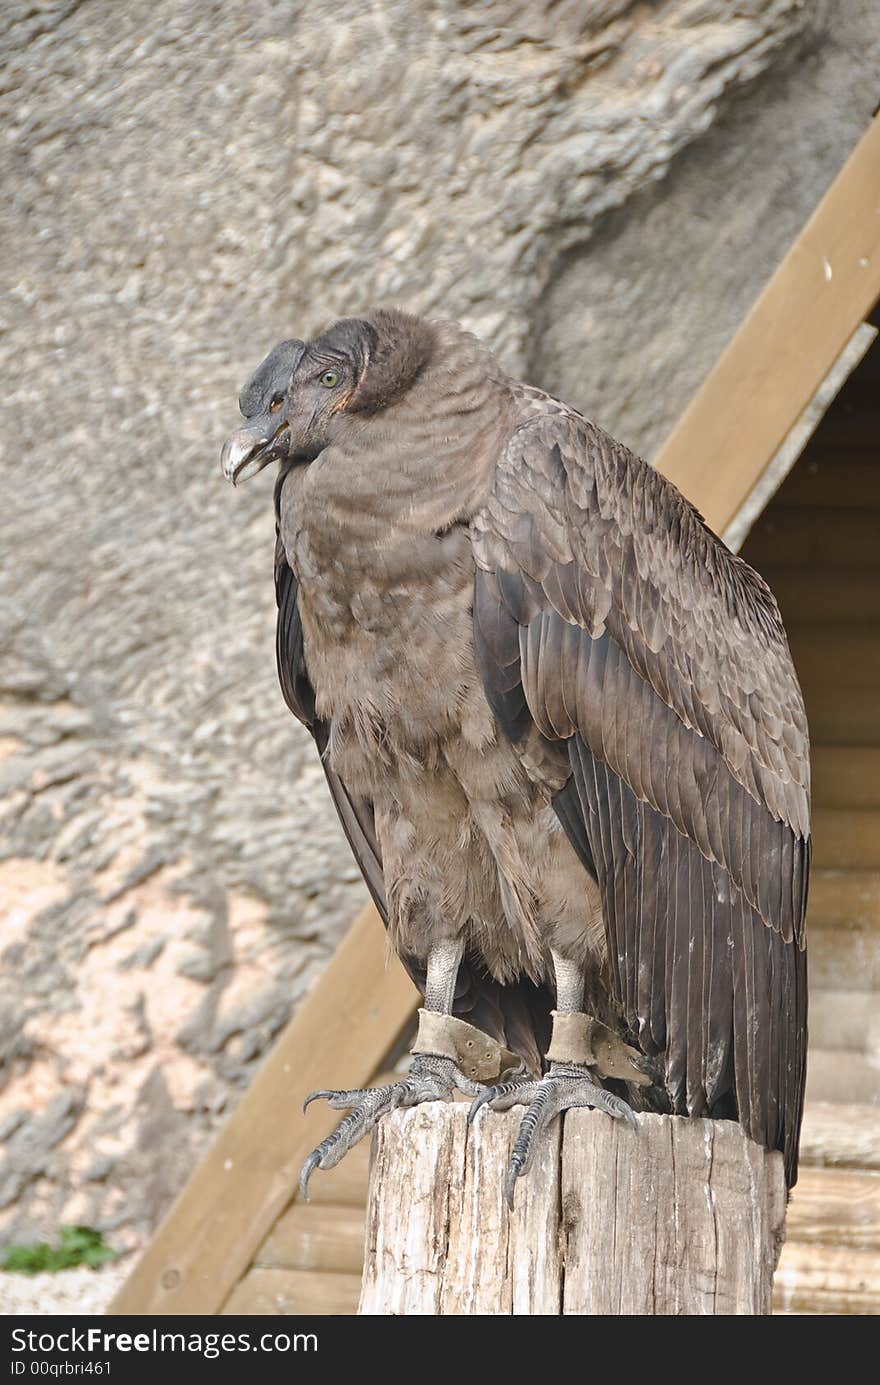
{"points": [[598, 188]]}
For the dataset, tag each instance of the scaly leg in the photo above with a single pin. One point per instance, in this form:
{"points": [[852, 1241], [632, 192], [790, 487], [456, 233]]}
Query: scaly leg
{"points": [[581, 1049], [448, 1056]]}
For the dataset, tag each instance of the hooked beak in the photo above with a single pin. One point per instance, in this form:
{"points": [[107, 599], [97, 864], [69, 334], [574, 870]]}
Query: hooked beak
{"points": [[249, 449]]}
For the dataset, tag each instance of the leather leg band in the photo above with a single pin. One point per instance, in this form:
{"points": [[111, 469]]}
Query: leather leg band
{"points": [[478, 1056], [578, 1038]]}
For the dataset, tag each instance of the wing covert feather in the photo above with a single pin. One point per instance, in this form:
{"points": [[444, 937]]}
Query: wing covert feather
{"points": [[628, 633]]}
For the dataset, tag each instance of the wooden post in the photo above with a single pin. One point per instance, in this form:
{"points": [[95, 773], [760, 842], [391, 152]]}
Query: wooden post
{"points": [[676, 1217]]}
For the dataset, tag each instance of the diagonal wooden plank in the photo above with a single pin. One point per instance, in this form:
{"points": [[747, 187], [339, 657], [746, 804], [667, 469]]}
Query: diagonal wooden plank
{"points": [[295, 1293], [340, 1034], [824, 288]]}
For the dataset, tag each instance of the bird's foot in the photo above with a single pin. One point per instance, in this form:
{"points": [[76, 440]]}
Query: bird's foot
{"points": [[430, 1078], [564, 1086]]}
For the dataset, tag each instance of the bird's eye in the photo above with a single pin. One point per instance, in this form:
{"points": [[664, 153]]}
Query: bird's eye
{"points": [[330, 378], [276, 403]]}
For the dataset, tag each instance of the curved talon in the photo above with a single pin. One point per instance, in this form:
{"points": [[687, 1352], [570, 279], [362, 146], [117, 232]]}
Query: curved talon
{"points": [[314, 1096], [490, 1094], [514, 1171], [306, 1172], [431, 1078], [621, 1110], [566, 1085]]}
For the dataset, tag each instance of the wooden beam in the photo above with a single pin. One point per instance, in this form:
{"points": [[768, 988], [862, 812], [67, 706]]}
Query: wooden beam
{"points": [[836, 1135], [316, 1237], [674, 1217], [831, 595], [803, 536], [836, 1280], [838, 1074], [846, 776], [294, 1293], [844, 958], [844, 899], [803, 320], [835, 1207], [846, 838], [339, 1036]]}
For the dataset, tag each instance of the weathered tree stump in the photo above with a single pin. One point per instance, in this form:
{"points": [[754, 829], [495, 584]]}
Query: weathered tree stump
{"points": [[677, 1217]]}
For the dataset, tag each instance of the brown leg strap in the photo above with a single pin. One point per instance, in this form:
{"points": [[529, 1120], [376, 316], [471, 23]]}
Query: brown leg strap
{"points": [[578, 1038], [477, 1055]]}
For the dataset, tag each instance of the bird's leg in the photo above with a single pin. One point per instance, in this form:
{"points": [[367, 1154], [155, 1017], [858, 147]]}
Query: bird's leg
{"points": [[449, 1055], [581, 1053]]}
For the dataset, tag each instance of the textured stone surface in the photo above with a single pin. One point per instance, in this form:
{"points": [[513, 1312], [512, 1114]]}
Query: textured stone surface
{"points": [[68, 1292], [598, 188]]}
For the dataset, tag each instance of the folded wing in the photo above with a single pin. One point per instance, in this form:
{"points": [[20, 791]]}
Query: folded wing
{"points": [[611, 624]]}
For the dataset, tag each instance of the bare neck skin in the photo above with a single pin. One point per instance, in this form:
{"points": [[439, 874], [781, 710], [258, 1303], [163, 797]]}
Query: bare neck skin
{"points": [[420, 466]]}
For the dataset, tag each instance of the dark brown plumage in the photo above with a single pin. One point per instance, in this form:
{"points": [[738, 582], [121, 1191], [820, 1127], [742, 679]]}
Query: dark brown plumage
{"points": [[609, 618], [556, 714]]}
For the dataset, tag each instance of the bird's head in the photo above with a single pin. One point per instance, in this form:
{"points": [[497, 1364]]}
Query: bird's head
{"points": [[303, 392]]}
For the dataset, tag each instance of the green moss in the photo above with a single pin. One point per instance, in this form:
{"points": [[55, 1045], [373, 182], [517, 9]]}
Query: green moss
{"points": [[79, 1245]]}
